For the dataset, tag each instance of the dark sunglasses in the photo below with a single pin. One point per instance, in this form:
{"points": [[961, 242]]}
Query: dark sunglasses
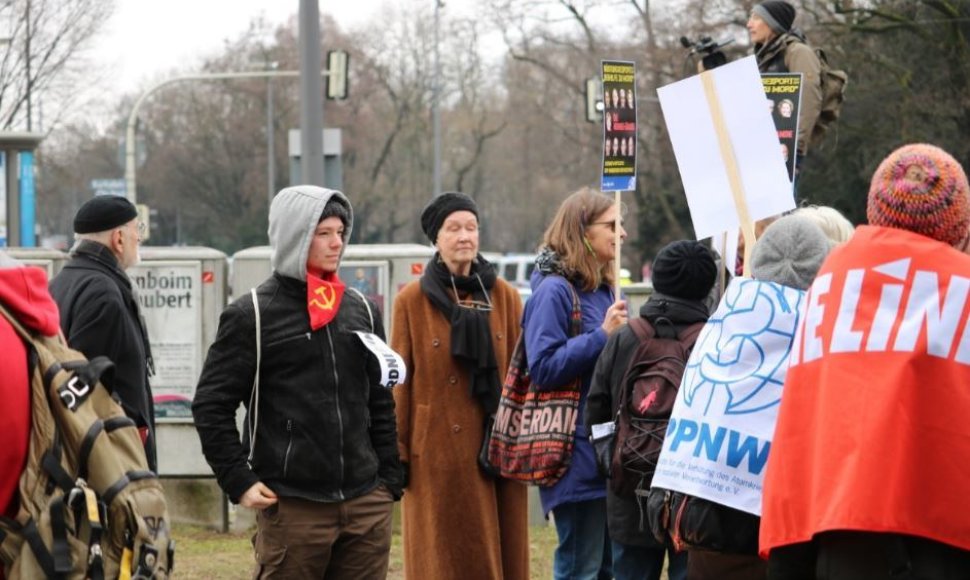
{"points": [[611, 224]]}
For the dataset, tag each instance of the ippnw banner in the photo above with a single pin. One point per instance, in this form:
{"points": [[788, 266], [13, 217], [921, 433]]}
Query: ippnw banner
{"points": [[723, 421], [619, 126]]}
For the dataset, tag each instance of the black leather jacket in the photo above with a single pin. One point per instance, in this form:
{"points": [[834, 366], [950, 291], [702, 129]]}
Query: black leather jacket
{"points": [[627, 517], [325, 427]]}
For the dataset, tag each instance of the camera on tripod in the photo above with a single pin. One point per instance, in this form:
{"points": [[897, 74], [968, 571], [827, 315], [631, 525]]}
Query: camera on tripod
{"points": [[713, 56]]}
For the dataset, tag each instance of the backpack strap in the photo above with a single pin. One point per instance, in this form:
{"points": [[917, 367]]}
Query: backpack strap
{"points": [[21, 330], [44, 558], [642, 328], [370, 314], [576, 314], [576, 318], [689, 335], [644, 332], [254, 394]]}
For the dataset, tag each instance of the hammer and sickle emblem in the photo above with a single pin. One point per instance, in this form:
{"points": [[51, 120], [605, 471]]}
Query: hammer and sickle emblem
{"points": [[328, 296]]}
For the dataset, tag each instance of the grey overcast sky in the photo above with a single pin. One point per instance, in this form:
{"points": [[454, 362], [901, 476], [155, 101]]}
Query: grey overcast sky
{"points": [[147, 37]]}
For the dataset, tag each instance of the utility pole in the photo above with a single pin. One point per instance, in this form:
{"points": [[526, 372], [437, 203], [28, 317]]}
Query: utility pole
{"points": [[27, 61], [270, 137], [311, 94], [435, 102]]}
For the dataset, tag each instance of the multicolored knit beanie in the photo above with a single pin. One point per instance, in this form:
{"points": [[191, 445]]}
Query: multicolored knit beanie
{"points": [[921, 188]]}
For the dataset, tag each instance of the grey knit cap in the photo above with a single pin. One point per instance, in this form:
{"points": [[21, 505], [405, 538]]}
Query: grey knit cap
{"points": [[790, 252], [777, 14]]}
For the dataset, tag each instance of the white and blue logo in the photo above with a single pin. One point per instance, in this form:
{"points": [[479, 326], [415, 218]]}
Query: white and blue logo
{"points": [[721, 427]]}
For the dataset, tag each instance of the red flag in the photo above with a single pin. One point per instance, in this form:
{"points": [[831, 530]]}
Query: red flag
{"points": [[323, 296], [873, 431]]}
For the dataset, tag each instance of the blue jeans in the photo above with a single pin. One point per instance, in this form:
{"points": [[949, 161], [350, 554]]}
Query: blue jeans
{"points": [[642, 563], [584, 546]]}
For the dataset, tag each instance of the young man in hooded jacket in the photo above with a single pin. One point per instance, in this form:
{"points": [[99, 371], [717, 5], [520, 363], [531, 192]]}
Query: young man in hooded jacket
{"points": [[321, 464]]}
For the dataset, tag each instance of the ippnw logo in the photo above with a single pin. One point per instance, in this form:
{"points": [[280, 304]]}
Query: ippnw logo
{"points": [[739, 363]]}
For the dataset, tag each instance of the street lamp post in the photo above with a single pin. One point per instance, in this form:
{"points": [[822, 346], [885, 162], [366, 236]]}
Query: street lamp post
{"points": [[130, 181], [270, 138]]}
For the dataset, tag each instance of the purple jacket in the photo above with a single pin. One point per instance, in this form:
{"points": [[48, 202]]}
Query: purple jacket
{"points": [[555, 358]]}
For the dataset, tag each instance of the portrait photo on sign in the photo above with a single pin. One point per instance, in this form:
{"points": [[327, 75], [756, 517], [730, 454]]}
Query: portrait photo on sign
{"points": [[368, 278]]}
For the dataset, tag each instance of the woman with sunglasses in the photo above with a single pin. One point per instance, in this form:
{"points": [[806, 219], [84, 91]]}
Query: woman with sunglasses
{"points": [[456, 328], [576, 256]]}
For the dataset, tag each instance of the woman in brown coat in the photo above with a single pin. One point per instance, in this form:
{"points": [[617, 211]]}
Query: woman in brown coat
{"points": [[456, 328]]}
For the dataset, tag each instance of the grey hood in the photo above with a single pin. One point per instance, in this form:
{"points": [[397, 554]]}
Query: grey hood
{"points": [[293, 217]]}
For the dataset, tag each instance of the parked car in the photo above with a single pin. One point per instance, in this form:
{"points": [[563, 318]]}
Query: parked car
{"points": [[516, 269]]}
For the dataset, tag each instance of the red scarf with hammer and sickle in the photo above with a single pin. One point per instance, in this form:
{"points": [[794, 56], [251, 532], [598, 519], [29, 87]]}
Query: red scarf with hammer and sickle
{"points": [[323, 297]]}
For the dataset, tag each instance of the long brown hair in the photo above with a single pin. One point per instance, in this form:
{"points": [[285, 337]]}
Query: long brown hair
{"points": [[566, 236]]}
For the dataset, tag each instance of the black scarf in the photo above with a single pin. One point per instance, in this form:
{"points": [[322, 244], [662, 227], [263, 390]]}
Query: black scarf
{"points": [[471, 335]]}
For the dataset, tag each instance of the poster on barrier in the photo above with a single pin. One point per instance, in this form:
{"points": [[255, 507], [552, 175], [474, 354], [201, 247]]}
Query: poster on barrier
{"points": [[170, 298]]}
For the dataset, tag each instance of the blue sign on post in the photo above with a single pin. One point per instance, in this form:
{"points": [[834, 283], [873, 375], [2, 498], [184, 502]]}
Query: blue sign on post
{"points": [[27, 200], [109, 187]]}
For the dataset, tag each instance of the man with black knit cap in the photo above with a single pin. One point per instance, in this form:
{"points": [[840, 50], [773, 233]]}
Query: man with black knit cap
{"points": [[99, 311], [780, 48], [319, 459], [683, 275]]}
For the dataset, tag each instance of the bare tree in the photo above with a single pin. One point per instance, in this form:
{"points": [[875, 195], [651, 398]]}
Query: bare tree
{"points": [[41, 56]]}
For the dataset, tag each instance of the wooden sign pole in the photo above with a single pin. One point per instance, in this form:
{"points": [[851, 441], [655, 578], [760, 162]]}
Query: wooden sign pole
{"points": [[619, 244], [731, 165]]}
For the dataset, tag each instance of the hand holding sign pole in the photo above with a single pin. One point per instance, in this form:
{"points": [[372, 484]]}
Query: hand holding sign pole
{"points": [[619, 142], [727, 150]]}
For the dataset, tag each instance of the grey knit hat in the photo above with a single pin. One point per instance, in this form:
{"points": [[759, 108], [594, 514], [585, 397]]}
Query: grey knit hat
{"points": [[790, 252], [777, 14]]}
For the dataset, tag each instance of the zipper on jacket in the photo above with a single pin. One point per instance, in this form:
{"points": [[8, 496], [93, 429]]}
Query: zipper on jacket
{"points": [[304, 336], [289, 446], [340, 420]]}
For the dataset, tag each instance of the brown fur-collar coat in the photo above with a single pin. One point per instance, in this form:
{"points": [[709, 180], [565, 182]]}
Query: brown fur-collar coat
{"points": [[458, 523]]}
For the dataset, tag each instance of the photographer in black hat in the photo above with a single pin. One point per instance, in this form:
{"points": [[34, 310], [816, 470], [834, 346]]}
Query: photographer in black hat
{"points": [[99, 310]]}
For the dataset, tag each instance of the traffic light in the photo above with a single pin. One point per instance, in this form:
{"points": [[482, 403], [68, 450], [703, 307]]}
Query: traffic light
{"points": [[337, 64], [594, 100]]}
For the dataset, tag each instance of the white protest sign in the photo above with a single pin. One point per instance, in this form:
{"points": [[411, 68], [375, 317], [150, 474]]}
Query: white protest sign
{"points": [[393, 370], [723, 421], [700, 128], [726, 246]]}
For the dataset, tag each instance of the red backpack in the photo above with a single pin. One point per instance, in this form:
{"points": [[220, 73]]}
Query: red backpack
{"points": [[647, 395]]}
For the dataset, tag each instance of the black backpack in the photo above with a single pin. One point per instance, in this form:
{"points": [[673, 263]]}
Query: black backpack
{"points": [[683, 521], [647, 395]]}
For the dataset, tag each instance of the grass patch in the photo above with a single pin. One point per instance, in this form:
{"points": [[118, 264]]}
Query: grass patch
{"points": [[207, 554]]}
